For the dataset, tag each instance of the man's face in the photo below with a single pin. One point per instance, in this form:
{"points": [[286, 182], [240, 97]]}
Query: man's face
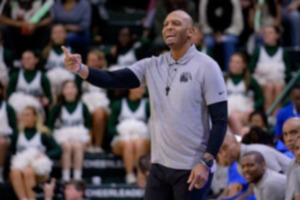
{"points": [[177, 30], [228, 153], [297, 151], [291, 131], [295, 95], [71, 193], [252, 170]]}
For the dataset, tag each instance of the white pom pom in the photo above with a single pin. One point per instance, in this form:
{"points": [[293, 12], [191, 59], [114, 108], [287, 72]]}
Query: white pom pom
{"points": [[132, 128], [23, 159], [42, 165], [57, 76], [95, 100], [20, 100], [72, 134]]}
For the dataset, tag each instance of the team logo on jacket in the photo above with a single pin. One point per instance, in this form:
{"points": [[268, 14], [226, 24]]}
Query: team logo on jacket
{"points": [[185, 77]]}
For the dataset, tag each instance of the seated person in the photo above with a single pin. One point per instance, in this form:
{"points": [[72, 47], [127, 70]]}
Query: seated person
{"points": [[268, 184]]}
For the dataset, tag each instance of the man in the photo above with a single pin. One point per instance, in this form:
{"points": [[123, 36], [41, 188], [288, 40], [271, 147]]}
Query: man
{"points": [[291, 110], [231, 151], [268, 184], [73, 190], [292, 138], [186, 89], [291, 131]]}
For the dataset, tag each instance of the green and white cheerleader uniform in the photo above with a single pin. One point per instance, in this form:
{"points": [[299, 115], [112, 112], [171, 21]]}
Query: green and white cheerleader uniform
{"points": [[34, 149], [129, 119], [70, 122], [270, 64], [240, 98]]}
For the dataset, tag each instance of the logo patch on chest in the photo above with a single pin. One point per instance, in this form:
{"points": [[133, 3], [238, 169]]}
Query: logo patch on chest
{"points": [[185, 77]]}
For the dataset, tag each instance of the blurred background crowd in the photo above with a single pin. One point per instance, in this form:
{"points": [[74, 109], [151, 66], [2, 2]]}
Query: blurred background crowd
{"points": [[52, 123]]}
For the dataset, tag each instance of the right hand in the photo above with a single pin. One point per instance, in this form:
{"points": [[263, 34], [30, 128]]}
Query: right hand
{"points": [[72, 61], [49, 189]]}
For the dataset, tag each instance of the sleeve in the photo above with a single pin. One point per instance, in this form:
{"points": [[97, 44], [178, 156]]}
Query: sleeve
{"points": [[113, 118], [124, 78], [258, 94], [53, 115], [237, 24], [87, 117], [213, 84], [47, 88], [254, 60], [297, 182], [53, 149], [12, 84], [279, 122], [139, 69], [12, 119], [86, 18], [283, 160], [8, 59], [218, 115]]}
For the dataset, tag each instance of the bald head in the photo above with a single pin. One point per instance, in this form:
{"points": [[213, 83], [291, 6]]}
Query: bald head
{"points": [[184, 15], [229, 138], [291, 131]]}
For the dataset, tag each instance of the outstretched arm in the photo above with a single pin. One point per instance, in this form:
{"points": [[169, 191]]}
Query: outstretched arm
{"points": [[124, 78]]}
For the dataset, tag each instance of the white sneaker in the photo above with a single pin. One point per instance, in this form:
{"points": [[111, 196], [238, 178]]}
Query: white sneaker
{"points": [[130, 178]]}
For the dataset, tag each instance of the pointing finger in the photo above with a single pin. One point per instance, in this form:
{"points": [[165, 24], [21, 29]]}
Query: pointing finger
{"points": [[66, 51]]}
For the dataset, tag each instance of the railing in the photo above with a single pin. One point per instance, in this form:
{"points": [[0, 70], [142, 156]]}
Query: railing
{"points": [[284, 92]]}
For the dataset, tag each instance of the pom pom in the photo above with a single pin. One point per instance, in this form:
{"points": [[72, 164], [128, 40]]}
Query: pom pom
{"points": [[20, 100], [132, 128], [57, 76], [42, 165], [95, 100], [72, 134]]}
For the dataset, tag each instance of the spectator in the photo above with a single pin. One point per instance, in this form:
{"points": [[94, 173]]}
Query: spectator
{"points": [[232, 150], [270, 66], [20, 32], [70, 120], [244, 93], [268, 184], [53, 54], [291, 131], [127, 51], [72, 190], [75, 15], [198, 40], [130, 115], [34, 147], [291, 20], [30, 80], [264, 13], [97, 102], [291, 110], [258, 135], [293, 174], [257, 118], [8, 128], [228, 12]]}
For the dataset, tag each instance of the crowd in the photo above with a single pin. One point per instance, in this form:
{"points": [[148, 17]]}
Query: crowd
{"points": [[48, 113]]}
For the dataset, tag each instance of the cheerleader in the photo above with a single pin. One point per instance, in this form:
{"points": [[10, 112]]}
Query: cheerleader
{"points": [[6, 62], [32, 149], [269, 66], [244, 93], [8, 127], [97, 103], [70, 120], [53, 53], [30, 80], [128, 124]]}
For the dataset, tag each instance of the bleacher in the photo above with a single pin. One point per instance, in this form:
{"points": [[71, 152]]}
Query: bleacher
{"points": [[107, 168]]}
